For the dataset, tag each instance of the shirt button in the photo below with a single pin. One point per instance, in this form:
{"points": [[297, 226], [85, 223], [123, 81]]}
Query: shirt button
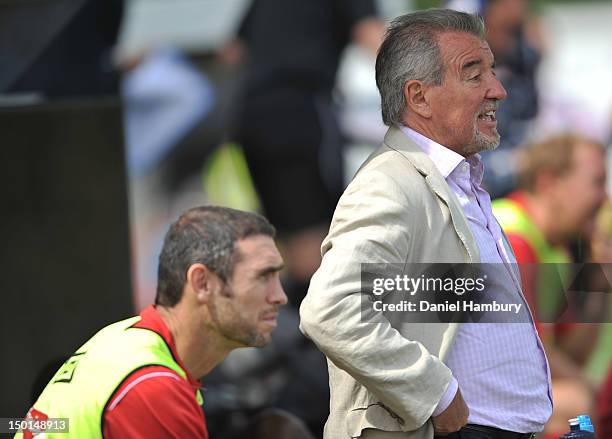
{"points": [[465, 167]]}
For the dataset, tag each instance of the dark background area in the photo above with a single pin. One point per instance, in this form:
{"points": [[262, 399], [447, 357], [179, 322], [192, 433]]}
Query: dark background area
{"points": [[65, 254]]}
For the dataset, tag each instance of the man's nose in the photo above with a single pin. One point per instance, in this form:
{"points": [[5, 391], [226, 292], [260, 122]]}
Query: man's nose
{"points": [[277, 295], [496, 90]]}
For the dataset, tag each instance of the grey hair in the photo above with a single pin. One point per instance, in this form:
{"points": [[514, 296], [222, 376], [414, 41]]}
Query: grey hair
{"points": [[205, 235], [410, 51]]}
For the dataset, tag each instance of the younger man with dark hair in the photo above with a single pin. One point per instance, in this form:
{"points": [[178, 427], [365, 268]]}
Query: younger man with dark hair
{"points": [[218, 290]]}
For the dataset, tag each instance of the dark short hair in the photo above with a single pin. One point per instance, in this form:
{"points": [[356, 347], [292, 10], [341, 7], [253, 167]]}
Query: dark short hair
{"points": [[205, 235], [410, 51]]}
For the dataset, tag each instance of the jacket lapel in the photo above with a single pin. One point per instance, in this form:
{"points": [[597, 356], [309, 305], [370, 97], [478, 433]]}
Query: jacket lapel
{"points": [[397, 140]]}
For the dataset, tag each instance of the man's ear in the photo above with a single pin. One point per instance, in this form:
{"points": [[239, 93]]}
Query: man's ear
{"points": [[202, 282], [416, 98]]}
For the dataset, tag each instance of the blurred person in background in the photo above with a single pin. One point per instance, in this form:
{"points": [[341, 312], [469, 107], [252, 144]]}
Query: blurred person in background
{"points": [[165, 97], [218, 290], [562, 182], [515, 40], [288, 129], [286, 122], [601, 251]]}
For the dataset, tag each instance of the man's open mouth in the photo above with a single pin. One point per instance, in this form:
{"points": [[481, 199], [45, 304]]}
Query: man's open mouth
{"points": [[488, 116]]}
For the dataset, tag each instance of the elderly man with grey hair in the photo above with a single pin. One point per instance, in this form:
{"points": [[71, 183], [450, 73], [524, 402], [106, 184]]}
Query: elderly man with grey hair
{"points": [[418, 199]]}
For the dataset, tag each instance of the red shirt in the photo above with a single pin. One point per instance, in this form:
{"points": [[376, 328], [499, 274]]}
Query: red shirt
{"points": [[154, 401], [525, 256]]}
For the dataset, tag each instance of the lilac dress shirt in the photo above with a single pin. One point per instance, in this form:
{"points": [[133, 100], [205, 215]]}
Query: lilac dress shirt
{"points": [[501, 368]]}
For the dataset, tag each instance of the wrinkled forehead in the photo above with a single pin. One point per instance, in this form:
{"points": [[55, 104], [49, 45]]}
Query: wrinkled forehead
{"points": [[459, 50], [258, 250]]}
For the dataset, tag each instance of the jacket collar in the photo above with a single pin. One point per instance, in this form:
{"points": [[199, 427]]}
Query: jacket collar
{"points": [[398, 141]]}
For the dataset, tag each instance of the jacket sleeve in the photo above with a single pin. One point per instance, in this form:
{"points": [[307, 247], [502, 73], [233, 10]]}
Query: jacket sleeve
{"points": [[372, 224]]}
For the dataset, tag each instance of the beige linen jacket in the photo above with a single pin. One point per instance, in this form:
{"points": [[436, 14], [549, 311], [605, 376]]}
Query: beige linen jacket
{"points": [[385, 376]]}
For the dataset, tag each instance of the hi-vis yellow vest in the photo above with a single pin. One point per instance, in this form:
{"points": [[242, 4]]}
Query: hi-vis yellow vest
{"points": [[514, 220], [85, 383]]}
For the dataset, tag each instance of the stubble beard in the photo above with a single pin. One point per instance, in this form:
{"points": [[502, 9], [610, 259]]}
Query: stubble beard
{"points": [[481, 142], [233, 327], [241, 334]]}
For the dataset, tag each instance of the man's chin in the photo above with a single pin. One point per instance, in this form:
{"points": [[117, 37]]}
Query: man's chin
{"points": [[251, 340], [490, 146], [261, 340], [484, 143]]}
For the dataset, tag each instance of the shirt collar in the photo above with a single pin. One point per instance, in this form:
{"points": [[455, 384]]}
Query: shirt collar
{"points": [[152, 320], [446, 160]]}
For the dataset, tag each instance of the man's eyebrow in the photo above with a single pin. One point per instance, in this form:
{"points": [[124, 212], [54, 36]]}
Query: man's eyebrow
{"points": [[470, 64], [271, 269]]}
